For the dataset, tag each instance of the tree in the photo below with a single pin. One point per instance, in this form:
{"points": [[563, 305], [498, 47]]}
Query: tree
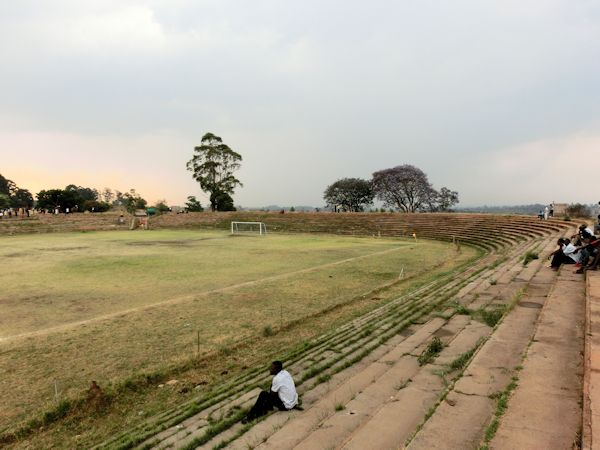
{"points": [[4, 201], [132, 201], [95, 206], [407, 188], [107, 195], [222, 201], [7, 186], [161, 206], [212, 166], [193, 205], [403, 187], [447, 199], [51, 199], [350, 194], [578, 210], [22, 198], [441, 200]]}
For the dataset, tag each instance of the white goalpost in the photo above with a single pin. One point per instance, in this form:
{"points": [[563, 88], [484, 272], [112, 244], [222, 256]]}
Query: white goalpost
{"points": [[248, 227]]}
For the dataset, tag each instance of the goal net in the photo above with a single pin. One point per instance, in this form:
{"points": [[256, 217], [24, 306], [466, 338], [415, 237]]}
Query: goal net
{"points": [[248, 227]]}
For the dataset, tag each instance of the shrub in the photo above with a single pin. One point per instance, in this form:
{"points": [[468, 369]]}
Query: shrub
{"points": [[268, 331]]}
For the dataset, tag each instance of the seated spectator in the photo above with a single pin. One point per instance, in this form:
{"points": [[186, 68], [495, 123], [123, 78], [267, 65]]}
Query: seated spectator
{"points": [[282, 395], [597, 225], [584, 233], [589, 249], [566, 253]]}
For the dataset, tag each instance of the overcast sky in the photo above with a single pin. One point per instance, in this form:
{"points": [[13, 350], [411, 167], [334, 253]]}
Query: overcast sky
{"points": [[499, 100]]}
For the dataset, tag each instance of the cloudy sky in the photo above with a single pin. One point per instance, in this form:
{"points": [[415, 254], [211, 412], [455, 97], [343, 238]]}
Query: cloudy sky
{"points": [[499, 100]]}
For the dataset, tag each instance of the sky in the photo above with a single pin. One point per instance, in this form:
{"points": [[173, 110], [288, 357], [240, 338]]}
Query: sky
{"points": [[498, 100]]}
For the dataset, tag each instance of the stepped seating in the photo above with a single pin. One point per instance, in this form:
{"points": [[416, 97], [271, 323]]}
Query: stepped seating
{"points": [[369, 367], [362, 384]]}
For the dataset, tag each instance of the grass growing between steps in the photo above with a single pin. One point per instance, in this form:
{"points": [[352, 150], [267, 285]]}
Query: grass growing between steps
{"points": [[431, 351], [501, 405]]}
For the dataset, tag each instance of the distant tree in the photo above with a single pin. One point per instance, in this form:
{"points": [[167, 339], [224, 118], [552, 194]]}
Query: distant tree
{"points": [[54, 198], [119, 198], [407, 188], [441, 200], [403, 187], [21, 198], [578, 210], [193, 205], [82, 194], [132, 201], [7, 186], [107, 195], [447, 198], [350, 194], [222, 201], [4, 201], [95, 206], [213, 165], [161, 206]]}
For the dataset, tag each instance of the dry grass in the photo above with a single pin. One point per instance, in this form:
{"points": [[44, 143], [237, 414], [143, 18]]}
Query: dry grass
{"points": [[191, 277]]}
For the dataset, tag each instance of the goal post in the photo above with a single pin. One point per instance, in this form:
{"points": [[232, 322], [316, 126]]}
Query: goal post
{"points": [[248, 228]]}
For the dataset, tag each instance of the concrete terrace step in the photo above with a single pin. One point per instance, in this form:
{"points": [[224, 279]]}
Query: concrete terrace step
{"points": [[548, 374], [591, 388], [544, 410]]}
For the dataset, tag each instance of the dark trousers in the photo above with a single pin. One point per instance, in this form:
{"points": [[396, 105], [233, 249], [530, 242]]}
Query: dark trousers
{"points": [[560, 258], [265, 402]]}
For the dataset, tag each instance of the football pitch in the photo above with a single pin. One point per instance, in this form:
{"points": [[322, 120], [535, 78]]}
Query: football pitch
{"points": [[108, 306]]}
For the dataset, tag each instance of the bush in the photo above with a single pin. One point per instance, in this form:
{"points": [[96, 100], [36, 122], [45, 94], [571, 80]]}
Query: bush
{"points": [[96, 205], [578, 210]]}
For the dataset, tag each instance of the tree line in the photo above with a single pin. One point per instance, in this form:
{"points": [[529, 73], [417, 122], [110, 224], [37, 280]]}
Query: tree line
{"points": [[405, 188], [73, 197]]}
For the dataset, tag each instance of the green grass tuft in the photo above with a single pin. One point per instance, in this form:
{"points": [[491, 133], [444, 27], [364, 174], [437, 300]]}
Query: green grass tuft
{"points": [[431, 351]]}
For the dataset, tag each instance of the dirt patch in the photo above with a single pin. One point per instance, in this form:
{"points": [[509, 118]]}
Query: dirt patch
{"points": [[530, 305], [161, 243], [60, 249]]}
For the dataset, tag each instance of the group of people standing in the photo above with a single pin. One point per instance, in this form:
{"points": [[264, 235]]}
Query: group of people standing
{"points": [[547, 212], [15, 212], [582, 250]]}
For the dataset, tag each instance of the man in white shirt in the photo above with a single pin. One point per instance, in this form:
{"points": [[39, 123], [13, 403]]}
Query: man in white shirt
{"points": [[282, 395], [566, 253]]}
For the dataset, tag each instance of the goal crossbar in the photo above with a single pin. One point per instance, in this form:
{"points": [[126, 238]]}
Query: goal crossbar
{"points": [[248, 227]]}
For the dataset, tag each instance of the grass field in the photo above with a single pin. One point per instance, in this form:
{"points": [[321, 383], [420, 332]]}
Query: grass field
{"points": [[117, 306]]}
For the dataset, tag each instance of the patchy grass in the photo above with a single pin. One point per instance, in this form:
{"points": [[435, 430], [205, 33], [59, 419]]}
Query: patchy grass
{"points": [[501, 405], [198, 336], [430, 352], [530, 256]]}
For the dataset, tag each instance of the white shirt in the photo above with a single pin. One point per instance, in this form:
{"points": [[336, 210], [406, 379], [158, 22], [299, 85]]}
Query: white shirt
{"points": [[283, 384], [569, 249]]}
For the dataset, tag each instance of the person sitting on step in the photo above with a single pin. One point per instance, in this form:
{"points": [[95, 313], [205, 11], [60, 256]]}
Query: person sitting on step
{"points": [[566, 253], [282, 395]]}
